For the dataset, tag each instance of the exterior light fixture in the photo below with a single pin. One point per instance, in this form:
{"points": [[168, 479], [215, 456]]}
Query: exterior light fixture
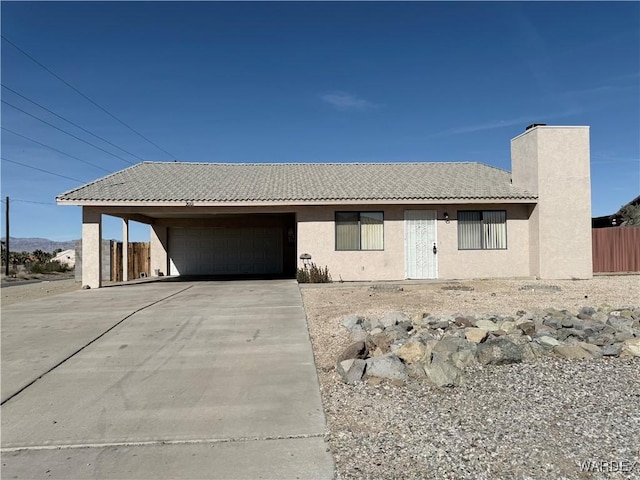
{"points": [[446, 217]]}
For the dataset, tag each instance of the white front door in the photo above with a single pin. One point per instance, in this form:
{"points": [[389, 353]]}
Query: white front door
{"points": [[419, 241]]}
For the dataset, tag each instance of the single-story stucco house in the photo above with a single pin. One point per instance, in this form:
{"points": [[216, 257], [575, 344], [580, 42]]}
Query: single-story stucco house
{"points": [[68, 257], [368, 221]]}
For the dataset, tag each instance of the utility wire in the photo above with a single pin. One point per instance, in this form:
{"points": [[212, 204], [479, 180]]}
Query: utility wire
{"points": [[72, 123], [55, 149], [33, 201], [83, 95], [40, 169], [64, 131]]}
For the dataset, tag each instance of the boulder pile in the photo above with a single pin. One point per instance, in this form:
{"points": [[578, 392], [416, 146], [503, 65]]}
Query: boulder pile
{"points": [[440, 348]]}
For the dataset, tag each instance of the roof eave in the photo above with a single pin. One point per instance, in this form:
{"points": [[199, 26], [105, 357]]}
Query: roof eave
{"points": [[292, 203]]}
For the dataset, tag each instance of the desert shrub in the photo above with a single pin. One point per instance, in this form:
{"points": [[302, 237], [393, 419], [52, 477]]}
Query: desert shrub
{"points": [[313, 274], [37, 268], [50, 267]]}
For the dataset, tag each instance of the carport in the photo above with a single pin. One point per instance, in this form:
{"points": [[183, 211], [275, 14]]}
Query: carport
{"points": [[199, 241]]}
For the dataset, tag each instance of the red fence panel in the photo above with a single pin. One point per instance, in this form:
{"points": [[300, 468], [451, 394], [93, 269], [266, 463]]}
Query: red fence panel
{"points": [[616, 249]]}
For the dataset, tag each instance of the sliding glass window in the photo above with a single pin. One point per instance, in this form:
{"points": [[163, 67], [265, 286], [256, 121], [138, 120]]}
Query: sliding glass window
{"points": [[359, 231], [482, 230]]}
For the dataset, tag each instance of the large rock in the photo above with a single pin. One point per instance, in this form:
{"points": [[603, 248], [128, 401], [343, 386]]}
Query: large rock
{"points": [[412, 352], [594, 350], [571, 352], [355, 350], [352, 321], [612, 350], [508, 326], [351, 370], [475, 335], [572, 332], [463, 322], [587, 311], [553, 322], [448, 345], [546, 341], [621, 324], [381, 341], [532, 351], [463, 359], [371, 324], [544, 330], [588, 325], [526, 326], [386, 366], [359, 334], [631, 348], [393, 318], [396, 332], [487, 325], [499, 351], [443, 373], [405, 325]]}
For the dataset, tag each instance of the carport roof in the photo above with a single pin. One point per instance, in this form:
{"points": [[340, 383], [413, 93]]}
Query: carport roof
{"points": [[261, 183]]}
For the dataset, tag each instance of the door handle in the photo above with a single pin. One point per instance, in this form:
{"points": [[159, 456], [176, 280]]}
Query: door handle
{"points": [[435, 249]]}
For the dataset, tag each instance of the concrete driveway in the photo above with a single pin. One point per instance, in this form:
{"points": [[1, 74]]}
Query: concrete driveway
{"points": [[162, 380]]}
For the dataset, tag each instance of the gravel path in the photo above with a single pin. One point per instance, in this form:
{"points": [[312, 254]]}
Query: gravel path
{"points": [[551, 419]]}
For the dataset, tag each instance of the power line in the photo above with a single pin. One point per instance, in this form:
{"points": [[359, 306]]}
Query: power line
{"points": [[40, 170], [55, 149], [72, 123], [64, 131], [83, 95], [33, 201]]}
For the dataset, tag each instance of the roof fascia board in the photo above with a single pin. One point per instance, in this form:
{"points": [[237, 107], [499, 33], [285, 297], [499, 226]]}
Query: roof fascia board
{"points": [[195, 204]]}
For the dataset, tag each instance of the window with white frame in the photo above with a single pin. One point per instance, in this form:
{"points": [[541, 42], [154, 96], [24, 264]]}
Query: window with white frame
{"points": [[359, 231], [482, 230]]}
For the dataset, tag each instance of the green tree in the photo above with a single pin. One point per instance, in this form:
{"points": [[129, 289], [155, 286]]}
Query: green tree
{"points": [[630, 215], [41, 256]]}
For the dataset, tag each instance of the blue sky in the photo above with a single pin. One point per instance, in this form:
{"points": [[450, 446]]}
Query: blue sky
{"points": [[309, 82]]}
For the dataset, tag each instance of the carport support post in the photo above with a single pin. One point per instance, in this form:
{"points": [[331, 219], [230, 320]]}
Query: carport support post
{"points": [[91, 247], [125, 249]]}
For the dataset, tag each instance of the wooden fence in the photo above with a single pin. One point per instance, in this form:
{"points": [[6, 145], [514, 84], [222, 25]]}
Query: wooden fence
{"points": [[616, 249], [138, 260]]}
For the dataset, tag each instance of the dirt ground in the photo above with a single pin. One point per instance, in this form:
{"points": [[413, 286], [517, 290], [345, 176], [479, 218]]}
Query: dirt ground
{"points": [[12, 294]]}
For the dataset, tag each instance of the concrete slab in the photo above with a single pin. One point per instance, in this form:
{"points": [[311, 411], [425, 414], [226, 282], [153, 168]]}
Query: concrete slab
{"points": [[300, 458], [226, 362], [38, 335]]}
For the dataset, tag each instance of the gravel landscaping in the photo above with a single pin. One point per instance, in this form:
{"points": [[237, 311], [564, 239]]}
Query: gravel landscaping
{"points": [[548, 418]]}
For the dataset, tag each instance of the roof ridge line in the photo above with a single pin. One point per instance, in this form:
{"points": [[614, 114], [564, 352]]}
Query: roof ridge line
{"points": [[313, 163]]}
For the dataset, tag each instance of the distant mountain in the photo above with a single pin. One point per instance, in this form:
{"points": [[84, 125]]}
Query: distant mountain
{"points": [[31, 244]]}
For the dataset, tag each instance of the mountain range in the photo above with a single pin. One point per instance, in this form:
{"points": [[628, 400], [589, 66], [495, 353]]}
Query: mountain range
{"points": [[17, 244]]}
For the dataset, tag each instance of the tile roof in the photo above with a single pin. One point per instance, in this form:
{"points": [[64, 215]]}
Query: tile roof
{"points": [[304, 182]]}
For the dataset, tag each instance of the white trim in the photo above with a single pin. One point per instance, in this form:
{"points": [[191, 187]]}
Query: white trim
{"points": [[361, 201]]}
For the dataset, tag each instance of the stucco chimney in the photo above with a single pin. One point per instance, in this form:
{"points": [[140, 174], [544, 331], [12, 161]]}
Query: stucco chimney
{"points": [[554, 163]]}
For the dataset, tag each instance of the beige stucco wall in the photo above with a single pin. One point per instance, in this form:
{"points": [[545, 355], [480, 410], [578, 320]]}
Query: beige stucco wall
{"points": [[91, 246], [316, 233], [512, 262], [554, 162], [159, 259], [316, 236]]}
